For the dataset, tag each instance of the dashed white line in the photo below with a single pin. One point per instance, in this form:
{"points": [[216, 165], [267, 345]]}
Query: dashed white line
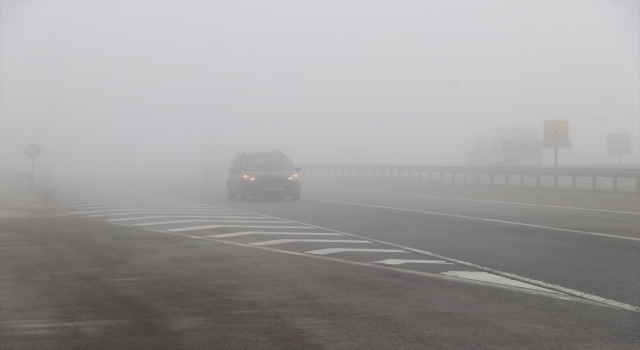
{"points": [[403, 261], [189, 216], [340, 250], [281, 241], [477, 218], [224, 220], [207, 209], [195, 228], [236, 234]]}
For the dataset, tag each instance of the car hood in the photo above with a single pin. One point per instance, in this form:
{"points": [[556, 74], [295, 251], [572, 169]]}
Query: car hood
{"points": [[283, 174]]}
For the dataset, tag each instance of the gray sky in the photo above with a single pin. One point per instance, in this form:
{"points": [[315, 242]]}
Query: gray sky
{"points": [[151, 85]]}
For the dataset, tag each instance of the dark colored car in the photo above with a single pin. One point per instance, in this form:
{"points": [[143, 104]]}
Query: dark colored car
{"points": [[262, 174]]}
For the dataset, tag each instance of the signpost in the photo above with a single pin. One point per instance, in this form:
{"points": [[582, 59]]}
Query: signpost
{"points": [[556, 136], [618, 144], [32, 151]]}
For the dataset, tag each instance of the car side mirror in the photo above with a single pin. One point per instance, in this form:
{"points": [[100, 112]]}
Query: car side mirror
{"points": [[297, 169], [233, 170], [470, 154]]}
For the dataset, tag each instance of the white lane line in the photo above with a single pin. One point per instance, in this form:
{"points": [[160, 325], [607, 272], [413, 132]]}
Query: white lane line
{"points": [[195, 228], [477, 218], [143, 208], [236, 234], [569, 291], [480, 200], [161, 212], [559, 296], [402, 261], [151, 206], [281, 241], [114, 204], [491, 278], [235, 221], [190, 216], [573, 295], [340, 250]]}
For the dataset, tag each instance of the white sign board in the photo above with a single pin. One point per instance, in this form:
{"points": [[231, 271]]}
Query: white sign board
{"points": [[556, 144], [556, 130], [618, 144]]}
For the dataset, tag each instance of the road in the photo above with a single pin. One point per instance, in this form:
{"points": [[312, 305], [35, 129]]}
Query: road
{"points": [[179, 266]]}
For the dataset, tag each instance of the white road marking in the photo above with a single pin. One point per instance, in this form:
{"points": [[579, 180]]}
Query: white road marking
{"points": [[247, 226], [190, 216], [340, 250], [159, 212], [237, 221], [573, 295], [135, 206], [236, 234], [477, 218], [569, 291], [402, 261], [142, 208], [481, 200], [113, 204], [491, 278], [281, 241]]}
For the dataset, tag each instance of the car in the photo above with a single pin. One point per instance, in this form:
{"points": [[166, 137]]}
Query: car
{"points": [[262, 174]]}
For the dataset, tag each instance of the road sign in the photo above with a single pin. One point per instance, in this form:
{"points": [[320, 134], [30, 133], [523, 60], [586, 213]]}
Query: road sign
{"points": [[32, 151], [556, 145], [618, 144], [556, 130]]}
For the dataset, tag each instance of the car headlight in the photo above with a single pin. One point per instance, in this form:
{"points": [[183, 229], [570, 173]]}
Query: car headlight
{"points": [[248, 177], [293, 177]]}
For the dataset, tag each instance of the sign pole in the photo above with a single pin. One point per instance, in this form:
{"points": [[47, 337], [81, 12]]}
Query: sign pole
{"points": [[556, 135], [32, 151], [33, 172]]}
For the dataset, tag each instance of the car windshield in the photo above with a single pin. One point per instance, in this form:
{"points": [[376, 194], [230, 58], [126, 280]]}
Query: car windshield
{"points": [[266, 163], [520, 146]]}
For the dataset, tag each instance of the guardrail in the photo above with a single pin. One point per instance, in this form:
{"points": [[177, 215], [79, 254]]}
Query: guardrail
{"points": [[591, 179]]}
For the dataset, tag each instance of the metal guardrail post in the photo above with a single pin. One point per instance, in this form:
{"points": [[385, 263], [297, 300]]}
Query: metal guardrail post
{"points": [[370, 172]]}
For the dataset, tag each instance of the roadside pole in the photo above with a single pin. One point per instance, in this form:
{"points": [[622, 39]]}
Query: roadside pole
{"points": [[32, 151]]}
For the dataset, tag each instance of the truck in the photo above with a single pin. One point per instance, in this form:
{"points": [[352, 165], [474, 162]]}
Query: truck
{"points": [[514, 146]]}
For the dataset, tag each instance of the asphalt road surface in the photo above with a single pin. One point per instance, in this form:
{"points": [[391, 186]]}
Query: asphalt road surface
{"points": [[161, 266]]}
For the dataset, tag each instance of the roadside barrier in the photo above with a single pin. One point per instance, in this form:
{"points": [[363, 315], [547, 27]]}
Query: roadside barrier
{"points": [[589, 179]]}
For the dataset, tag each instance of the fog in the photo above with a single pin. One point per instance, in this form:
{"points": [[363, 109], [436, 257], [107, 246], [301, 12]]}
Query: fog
{"points": [[146, 88]]}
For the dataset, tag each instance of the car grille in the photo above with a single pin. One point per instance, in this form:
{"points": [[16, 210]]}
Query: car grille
{"points": [[275, 181]]}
